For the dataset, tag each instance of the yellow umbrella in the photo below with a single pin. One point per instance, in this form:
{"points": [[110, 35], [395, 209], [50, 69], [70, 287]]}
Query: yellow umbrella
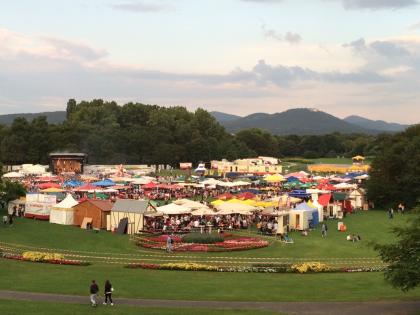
{"points": [[217, 202], [275, 178]]}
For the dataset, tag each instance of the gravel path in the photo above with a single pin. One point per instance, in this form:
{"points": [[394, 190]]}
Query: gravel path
{"points": [[291, 308]]}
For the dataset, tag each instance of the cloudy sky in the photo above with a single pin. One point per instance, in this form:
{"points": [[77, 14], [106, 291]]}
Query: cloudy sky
{"points": [[237, 56]]}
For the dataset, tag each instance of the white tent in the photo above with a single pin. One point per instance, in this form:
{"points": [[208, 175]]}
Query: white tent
{"points": [[174, 209], [203, 211], [345, 186], [13, 175], [231, 208], [63, 212]]}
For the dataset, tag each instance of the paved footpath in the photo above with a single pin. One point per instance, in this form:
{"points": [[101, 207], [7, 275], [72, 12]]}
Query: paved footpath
{"points": [[291, 308]]}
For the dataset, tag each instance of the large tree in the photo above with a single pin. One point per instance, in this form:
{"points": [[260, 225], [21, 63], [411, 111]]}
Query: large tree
{"points": [[403, 257], [395, 173]]}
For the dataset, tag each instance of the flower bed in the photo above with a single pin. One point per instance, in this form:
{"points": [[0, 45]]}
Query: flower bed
{"points": [[49, 258], [222, 243], [310, 267]]}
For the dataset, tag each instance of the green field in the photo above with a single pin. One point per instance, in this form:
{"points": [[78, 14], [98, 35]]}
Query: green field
{"points": [[109, 253]]}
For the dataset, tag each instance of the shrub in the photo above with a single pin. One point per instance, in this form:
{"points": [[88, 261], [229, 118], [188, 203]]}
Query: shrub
{"points": [[202, 238]]}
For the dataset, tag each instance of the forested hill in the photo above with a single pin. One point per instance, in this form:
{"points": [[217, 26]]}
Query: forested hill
{"points": [[299, 121], [52, 117], [150, 134]]}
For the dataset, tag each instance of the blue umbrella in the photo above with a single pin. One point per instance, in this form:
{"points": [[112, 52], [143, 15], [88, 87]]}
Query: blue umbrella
{"points": [[104, 183]]}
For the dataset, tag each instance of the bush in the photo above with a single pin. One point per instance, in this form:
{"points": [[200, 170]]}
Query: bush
{"points": [[202, 238]]}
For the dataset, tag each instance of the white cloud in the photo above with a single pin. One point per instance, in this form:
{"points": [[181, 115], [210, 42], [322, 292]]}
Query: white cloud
{"points": [[39, 72]]}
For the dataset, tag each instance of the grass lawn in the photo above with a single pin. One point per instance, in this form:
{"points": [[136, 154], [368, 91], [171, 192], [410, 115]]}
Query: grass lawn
{"points": [[10, 307], [373, 225]]}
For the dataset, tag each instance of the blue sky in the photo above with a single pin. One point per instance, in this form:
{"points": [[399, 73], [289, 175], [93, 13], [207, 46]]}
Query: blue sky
{"points": [[238, 56]]}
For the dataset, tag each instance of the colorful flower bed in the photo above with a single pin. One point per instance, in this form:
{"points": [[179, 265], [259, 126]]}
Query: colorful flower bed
{"points": [[230, 243], [49, 258], [310, 267]]}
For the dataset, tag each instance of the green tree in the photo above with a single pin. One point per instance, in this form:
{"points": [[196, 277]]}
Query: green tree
{"points": [[10, 190], [395, 173], [403, 257]]}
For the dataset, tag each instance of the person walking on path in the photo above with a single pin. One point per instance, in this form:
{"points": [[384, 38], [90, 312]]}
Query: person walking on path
{"points": [[94, 289], [169, 242], [108, 293], [324, 230]]}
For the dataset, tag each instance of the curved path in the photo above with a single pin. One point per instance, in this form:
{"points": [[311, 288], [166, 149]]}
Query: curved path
{"points": [[305, 308]]}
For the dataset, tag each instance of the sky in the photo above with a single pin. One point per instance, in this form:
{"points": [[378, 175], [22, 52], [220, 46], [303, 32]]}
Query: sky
{"points": [[345, 57]]}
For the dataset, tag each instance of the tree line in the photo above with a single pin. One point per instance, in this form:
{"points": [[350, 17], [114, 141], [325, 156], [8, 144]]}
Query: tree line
{"points": [[150, 134]]}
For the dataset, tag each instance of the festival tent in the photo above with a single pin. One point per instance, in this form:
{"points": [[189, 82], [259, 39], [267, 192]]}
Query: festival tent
{"points": [[292, 179], [217, 202], [345, 186], [72, 183], [52, 190], [13, 175], [203, 212], [302, 216], [233, 208], [299, 194], [252, 191], [87, 187], [275, 178], [48, 185], [190, 204], [63, 212], [225, 196], [104, 183], [38, 206], [149, 185], [173, 209], [245, 195], [30, 169]]}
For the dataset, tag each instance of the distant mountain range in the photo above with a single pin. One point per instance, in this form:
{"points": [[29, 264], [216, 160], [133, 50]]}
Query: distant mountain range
{"points": [[375, 124], [299, 121], [52, 117], [304, 121]]}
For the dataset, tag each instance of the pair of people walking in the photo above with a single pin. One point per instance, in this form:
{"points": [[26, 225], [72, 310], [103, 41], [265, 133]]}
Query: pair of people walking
{"points": [[94, 290]]}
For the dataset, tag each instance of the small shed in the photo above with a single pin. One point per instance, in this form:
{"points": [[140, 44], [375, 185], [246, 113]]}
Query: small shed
{"points": [[92, 211], [127, 215]]}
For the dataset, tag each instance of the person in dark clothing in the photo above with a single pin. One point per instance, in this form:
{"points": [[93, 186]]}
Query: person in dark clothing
{"points": [[94, 289], [108, 292]]}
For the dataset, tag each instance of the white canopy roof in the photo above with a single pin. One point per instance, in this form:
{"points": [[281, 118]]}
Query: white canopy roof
{"points": [[173, 208], [13, 175], [345, 186], [230, 208], [67, 203]]}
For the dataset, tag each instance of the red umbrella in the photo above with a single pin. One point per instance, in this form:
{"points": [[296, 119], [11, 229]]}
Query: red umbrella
{"points": [[87, 187], [225, 196], [245, 195], [149, 186], [48, 185]]}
